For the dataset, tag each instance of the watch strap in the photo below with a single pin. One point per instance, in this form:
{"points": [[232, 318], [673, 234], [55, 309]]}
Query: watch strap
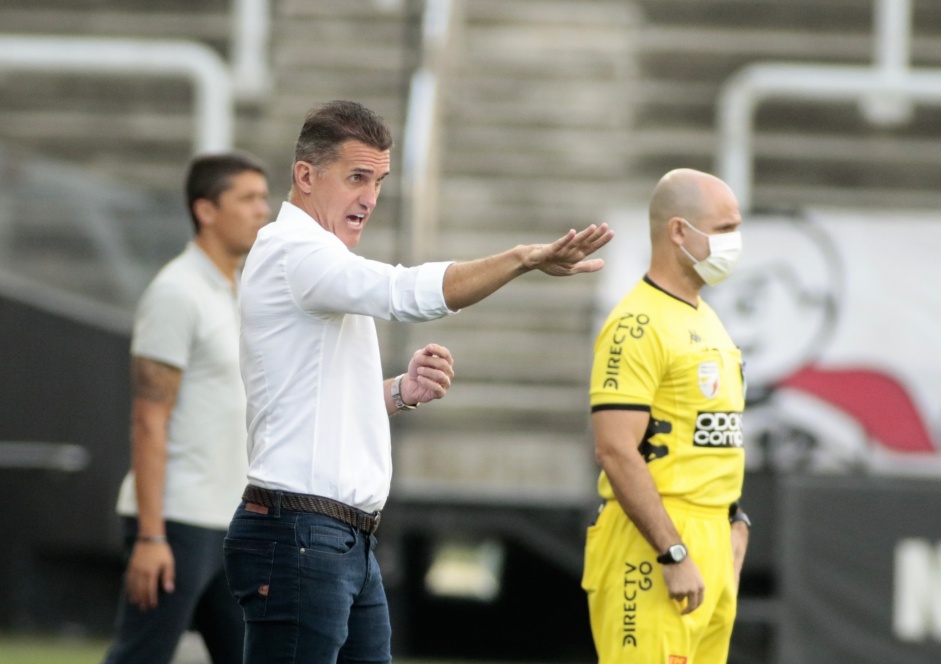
{"points": [[675, 554], [740, 516], [396, 392]]}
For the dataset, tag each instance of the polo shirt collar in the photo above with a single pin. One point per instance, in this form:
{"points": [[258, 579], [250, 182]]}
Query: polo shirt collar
{"points": [[207, 267]]}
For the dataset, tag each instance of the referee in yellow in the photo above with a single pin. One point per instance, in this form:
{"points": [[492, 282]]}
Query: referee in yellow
{"points": [[662, 561]]}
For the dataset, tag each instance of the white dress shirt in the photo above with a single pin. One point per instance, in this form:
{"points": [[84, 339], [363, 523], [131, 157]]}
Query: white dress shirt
{"points": [[317, 421]]}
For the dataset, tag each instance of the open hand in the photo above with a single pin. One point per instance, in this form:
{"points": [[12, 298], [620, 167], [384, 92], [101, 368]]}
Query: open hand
{"points": [[564, 257]]}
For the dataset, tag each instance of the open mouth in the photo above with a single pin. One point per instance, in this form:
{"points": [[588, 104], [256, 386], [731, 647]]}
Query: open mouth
{"points": [[355, 220]]}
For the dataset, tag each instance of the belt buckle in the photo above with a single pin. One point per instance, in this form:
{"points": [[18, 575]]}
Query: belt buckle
{"points": [[375, 522]]}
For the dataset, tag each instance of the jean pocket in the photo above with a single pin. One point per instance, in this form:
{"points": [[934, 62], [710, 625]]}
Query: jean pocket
{"points": [[248, 567], [330, 541]]}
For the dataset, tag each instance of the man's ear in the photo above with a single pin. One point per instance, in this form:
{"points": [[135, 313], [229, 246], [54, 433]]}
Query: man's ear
{"points": [[205, 211], [304, 176], [676, 230]]}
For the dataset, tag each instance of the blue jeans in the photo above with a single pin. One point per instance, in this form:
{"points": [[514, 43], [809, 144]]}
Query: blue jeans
{"points": [[309, 587], [200, 601]]}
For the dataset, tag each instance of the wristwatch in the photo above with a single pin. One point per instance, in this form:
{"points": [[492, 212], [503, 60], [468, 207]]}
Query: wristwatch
{"points": [[396, 391], [736, 513], [741, 516], [675, 554]]}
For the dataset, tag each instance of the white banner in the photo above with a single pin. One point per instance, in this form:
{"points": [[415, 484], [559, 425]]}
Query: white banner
{"points": [[837, 314]]}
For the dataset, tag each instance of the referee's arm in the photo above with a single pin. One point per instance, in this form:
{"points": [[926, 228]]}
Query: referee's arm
{"points": [[618, 433]]}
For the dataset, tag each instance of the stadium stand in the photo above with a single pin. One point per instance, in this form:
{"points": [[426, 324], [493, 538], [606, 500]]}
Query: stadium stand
{"points": [[553, 113]]}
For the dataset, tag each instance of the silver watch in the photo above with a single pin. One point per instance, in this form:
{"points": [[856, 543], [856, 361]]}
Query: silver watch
{"points": [[396, 391], [675, 554]]}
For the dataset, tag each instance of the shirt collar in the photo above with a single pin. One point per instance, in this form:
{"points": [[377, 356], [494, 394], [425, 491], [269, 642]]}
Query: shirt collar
{"points": [[207, 267], [295, 215]]}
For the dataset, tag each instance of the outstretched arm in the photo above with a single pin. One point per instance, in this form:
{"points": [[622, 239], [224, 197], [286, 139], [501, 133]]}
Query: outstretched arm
{"points": [[469, 282]]}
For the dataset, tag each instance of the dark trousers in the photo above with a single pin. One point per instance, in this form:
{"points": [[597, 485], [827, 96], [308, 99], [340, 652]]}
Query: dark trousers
{"points": [[310, 588], [201, 601]]}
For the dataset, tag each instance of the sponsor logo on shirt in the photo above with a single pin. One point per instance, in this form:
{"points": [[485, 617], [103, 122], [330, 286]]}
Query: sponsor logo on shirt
{"points": [[718, 429], [709, 379], [676, 659]]}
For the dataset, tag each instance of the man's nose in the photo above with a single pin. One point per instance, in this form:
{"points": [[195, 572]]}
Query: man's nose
{"points": [[368, 199]]}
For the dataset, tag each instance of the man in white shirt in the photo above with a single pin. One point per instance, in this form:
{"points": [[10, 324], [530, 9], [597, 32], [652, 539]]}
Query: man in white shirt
{"points": [[188, 426], [299, 551]]}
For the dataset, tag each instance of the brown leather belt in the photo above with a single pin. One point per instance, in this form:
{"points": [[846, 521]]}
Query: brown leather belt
{"points": [[302, 502]]}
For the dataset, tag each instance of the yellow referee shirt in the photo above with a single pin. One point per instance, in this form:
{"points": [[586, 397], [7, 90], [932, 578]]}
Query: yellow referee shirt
{"points": [[659, 354]]}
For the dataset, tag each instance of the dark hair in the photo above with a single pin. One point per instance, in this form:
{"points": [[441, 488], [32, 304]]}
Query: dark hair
{"points": [[329, 125], [210, 175]]}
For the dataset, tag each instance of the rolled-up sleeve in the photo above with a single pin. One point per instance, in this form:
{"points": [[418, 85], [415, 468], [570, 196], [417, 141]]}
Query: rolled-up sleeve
{"points": [[326, 279], [418, 293]]}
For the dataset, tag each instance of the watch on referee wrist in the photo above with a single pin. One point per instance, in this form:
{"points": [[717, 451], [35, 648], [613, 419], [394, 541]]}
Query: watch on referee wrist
{"points": [[740, 516], [396, 391], [736, 513], [675, 554]]}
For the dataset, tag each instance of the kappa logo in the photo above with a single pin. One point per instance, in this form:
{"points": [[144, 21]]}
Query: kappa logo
{"points": [[676, 659], [709, 379]]}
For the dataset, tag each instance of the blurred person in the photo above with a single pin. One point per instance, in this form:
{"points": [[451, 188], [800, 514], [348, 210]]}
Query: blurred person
{"points": [[299, 554], [663, 559], [188, 426]]}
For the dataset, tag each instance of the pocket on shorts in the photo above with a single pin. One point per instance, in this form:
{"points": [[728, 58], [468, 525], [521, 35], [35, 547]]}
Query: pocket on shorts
{"points": [[591, 571], [248, 566]]}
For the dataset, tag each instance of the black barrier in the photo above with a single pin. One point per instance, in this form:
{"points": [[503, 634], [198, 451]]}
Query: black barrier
{"points": [[64, 409], [861, 565]]}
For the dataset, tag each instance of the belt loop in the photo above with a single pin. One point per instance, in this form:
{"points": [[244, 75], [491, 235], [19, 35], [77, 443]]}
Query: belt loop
{"points": [[276, 508]]}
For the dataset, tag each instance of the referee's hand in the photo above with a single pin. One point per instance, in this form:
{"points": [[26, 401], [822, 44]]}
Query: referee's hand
{"points": [[685, 584]]}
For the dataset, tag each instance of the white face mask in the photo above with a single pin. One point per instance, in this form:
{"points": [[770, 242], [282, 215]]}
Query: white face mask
{"points": [[724, 250]]}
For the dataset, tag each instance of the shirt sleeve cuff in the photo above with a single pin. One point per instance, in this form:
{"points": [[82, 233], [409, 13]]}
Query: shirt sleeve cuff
{"points": [[429, 289]]}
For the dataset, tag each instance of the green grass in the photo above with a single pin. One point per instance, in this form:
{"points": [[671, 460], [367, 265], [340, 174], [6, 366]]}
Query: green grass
{"points": [[50, 650]]}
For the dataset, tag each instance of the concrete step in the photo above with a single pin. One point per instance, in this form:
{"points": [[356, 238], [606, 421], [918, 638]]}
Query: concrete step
{"points": [[546, 104], [354, 12], [807, 15], [533, 468], [206, 21], [505, 405], [527, 356], [558, 13], [482, 194]]}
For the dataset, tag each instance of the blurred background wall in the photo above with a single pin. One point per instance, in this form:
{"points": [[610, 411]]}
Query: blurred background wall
{"points": [[514, 121]]}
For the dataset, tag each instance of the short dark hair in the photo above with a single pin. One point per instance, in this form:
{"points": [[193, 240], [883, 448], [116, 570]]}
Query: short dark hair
{"points": [[210, 175], [329, 125]]}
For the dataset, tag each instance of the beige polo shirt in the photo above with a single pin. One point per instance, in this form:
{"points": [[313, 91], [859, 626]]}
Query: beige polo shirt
{"points": [[188, 318]]}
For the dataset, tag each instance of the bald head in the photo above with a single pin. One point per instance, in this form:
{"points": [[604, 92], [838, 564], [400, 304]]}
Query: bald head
{"points": [[686, 193]]}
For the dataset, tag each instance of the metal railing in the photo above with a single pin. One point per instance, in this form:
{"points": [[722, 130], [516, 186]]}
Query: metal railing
{"points": [[420, 153], [61, 457], [213, 104], [885, 92], [215, 86]]}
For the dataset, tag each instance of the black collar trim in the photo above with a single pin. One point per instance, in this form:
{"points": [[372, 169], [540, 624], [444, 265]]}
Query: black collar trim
{"points": [[650, 282]]}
